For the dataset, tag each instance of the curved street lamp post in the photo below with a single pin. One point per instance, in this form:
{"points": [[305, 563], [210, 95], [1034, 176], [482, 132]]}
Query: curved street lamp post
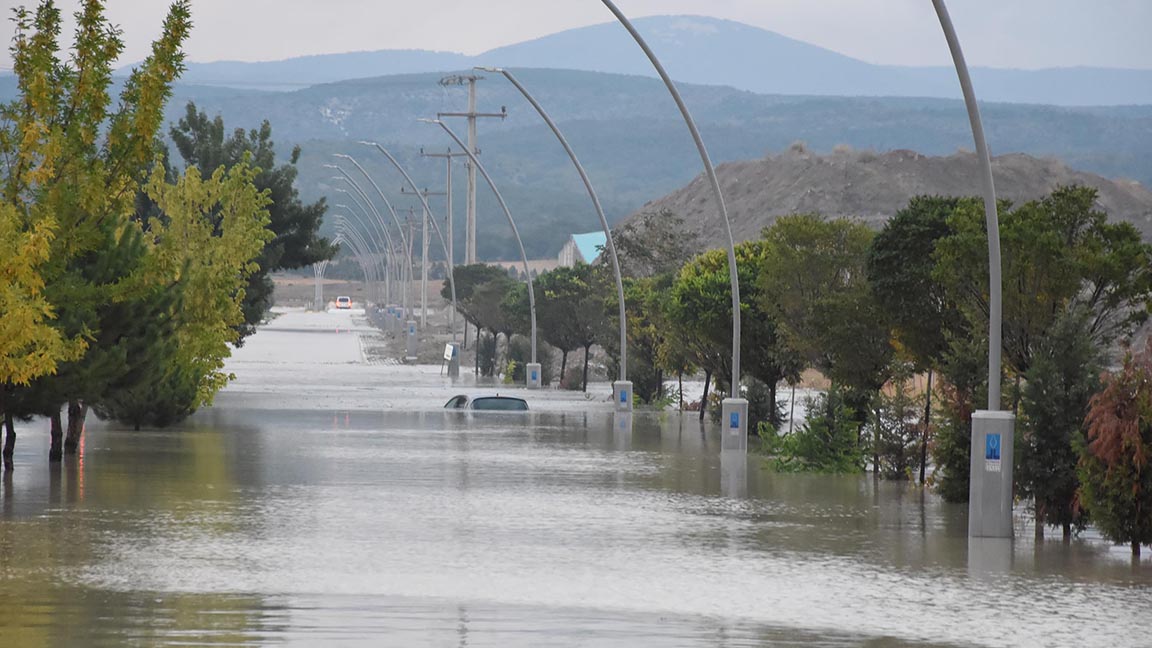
{"points": [[734, 410], [533, 372], [622, 388], [993, 430]]}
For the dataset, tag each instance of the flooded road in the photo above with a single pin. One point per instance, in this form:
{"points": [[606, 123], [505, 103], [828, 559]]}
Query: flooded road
{"points": [[326, 500]]}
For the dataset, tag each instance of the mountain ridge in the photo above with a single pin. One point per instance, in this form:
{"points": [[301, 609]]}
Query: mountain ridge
{"points": [[704, 50]]}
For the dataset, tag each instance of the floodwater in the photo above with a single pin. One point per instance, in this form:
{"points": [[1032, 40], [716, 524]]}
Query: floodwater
{"points": [[328, 501]]}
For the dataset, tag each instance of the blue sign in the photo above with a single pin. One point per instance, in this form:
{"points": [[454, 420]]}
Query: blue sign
{"points": [[623, 395], [734, 420], [412, 330], [534, 375], [992, 447]]}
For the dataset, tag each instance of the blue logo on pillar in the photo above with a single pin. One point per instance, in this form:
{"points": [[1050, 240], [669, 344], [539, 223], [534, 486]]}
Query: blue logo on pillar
{"points": [[992, 447], [623, 395], [411, 330], [534, 378], [734, 420]]}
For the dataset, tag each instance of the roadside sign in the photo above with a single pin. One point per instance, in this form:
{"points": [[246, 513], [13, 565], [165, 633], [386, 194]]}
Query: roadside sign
{"points": [[448, 349], [992, 453]]}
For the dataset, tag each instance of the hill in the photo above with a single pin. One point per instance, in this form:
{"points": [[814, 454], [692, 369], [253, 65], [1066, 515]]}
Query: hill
{"points": [[629, 135], [872, 187]]}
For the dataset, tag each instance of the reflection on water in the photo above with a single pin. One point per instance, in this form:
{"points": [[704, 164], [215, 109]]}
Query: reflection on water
{"points": [[450, 529]]}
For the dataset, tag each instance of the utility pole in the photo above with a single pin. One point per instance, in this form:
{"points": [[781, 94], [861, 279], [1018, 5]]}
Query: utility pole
{"points": [[470, 223], [448, 192], [424, 255], [448, 155]]}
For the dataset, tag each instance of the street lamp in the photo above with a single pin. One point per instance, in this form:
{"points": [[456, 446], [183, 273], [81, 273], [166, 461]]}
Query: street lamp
{"points": [[343, 226], [734, 417], [435, 228], [533, 377], [993, 430], [387, 247], [395, 219], [621, 390]]}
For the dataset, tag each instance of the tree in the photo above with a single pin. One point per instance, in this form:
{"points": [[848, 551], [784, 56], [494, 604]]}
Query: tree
{"points": [[900, 268], [72, 166], [1059, 253], [701, 310], [203, 143], [1058, 386], [815, 284], [1116, 480], [570, 311]]}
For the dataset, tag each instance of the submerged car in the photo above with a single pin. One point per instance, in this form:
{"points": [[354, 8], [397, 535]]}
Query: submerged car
{"points": [[495, 403], [343, 302]]}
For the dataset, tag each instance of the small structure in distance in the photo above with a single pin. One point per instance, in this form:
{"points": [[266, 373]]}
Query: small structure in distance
{"points": [[582, 248]]}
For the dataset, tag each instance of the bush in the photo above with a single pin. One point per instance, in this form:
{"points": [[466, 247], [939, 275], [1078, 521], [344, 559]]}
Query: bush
{"points": [[898, 417], [828, 442], [520, 352]]}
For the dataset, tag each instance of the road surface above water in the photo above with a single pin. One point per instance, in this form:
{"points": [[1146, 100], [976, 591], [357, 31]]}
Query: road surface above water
{"points": [[325, 500]]}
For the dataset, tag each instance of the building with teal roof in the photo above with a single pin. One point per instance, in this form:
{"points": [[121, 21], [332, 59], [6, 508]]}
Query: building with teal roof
{"points": [[582, 248]]}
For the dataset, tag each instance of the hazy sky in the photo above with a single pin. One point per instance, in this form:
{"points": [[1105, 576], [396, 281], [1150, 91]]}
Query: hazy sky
{"points": [[999, 33]]}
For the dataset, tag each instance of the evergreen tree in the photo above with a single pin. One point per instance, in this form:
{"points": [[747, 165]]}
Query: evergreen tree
{"points": [[204, 143], [1058, 386]]}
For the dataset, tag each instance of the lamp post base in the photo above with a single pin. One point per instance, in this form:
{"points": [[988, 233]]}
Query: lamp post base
{"points": [[533, 375], [622, 395], [990, 475]]}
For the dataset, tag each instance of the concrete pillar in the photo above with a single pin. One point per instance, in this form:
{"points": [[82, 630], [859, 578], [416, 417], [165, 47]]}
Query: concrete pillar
{"points": [[411, 331], [990, 475], [534, 375], [622, 395], [454, 361], [734, 424]]}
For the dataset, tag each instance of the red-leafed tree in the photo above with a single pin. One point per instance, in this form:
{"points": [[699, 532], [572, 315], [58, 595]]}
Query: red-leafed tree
{"points": [[1116, 480]]}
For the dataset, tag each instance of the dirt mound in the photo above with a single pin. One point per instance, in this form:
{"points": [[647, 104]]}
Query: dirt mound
{"points": [[873, 186]]}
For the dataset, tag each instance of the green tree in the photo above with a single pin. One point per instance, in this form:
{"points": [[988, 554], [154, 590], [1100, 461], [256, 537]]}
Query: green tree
{"points": [[72, 166], [900, 268], [1058, 386], [570, 312], [827, 442], [1115, 478], [701, 309], [1059, 253], [205, 144], [815, 283]]}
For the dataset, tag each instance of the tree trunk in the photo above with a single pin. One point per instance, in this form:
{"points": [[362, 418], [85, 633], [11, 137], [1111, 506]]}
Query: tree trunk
{"points": [[1039, 521], [680, 386], [1067, 532], [704, 399], [77, 412], [659, 383], [563, 366], [56, 434], [792, 409], [876, 445], [476, 350], [1016, 397], [927, 427], [1135, 548], [772, 406], [585, 378], [9, 440]]}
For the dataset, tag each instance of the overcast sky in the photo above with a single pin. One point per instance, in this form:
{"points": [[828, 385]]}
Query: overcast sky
{"points": [[997, 33]]}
